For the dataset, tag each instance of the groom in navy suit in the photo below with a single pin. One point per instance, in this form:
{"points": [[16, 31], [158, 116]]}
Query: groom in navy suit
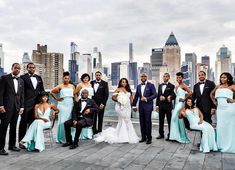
{"points": [[145, 93]]}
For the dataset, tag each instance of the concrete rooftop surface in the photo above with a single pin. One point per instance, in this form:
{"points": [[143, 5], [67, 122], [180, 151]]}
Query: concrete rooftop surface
{"points": [[89, 155]]}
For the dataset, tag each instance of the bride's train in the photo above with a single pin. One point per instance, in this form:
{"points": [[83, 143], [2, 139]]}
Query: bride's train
{"points": [[124, 131]]}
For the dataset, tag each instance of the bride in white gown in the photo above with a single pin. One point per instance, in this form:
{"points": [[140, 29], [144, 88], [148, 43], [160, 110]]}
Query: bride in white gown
{"points": [[124, 131]]}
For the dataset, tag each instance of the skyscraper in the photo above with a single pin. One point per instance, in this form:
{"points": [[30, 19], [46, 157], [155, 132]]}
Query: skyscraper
{"points": [[97, 64], [131, 52], [95, 56], [26, 58], [223, 62], [191, 61], [85, 64], [73, 62], [115, 73], [186, 69], [124, 69], [156, 59], [147, 68], [73, 48], [133, 74], [53, 63], [171, 56], [39, 68], [201, 67], [206, 60], [106, 71]]}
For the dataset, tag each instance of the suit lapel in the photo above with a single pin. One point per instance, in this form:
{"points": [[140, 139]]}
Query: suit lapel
{"points": [[146, 86], [198, 89], [167, 86], [101, 83], [79, 106], [38, 81], [160, 92], [204, 87], [11, 82], [29, 80], [19, 84], [139, 90]]}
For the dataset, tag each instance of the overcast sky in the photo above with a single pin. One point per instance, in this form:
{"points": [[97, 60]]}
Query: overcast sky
{"points": [[200, 26]]}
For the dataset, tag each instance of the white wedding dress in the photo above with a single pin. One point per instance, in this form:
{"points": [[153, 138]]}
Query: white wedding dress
{"points": [[124, 131]]}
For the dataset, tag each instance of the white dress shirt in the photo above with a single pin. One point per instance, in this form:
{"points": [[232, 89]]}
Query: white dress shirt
{"points": [[164, 87], [96, 86], [34, 81], [143, 88], [202, 87], [15, 81], [83, 105]]}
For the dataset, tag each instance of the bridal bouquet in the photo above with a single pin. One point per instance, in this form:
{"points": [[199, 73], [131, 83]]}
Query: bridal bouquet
{"points": [[123, 100]]}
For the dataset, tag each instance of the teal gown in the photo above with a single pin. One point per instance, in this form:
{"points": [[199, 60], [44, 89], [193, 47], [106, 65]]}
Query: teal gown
{"points": [[65, 113], [34, 137], [87, 132], [225, 129], [177, 130], [208, 142]]}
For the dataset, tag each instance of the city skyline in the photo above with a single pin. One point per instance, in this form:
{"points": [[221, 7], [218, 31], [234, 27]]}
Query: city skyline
{"points": [[202, 31]]}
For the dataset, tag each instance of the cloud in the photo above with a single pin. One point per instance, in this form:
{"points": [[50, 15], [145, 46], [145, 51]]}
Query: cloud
{"points": [[199, 26]]}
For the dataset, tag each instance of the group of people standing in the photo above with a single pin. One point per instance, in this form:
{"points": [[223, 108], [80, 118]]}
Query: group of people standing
{"points": [[79, 107], [25, 96], [194, 109]]}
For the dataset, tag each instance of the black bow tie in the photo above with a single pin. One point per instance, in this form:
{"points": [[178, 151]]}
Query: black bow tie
{"points": [[164, 83], [32, 75], [84, 100], [201, 82], [97, 82], [17, 78], [142, 83]]}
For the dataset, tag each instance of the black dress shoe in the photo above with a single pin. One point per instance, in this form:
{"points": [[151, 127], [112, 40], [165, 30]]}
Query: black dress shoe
{"points": [[198, 145], [3, 152], [14, 148], [160, 137], [142, 140], [66, 144], [21, 146], [95, 132], [148, 142], [73, 146], [167, 139]]}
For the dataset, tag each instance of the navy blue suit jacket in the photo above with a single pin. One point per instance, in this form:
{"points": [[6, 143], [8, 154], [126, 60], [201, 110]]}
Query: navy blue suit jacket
{"points": [[150, 93]]}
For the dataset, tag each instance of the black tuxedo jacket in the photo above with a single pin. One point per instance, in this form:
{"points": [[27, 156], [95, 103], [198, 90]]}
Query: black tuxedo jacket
{"points": [[8, 97], [203, 101], [30, 94], [76, 113], [169, 91], [102, 94]]}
